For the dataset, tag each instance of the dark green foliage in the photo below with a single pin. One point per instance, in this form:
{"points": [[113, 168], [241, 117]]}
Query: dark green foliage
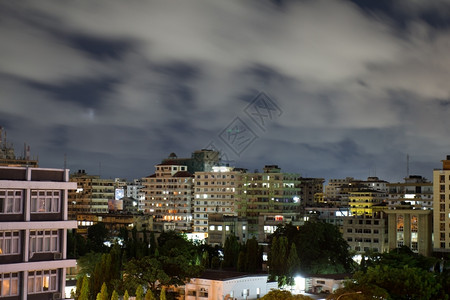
{"points": [[97, 234], [241, 262], [215, 263], [252, 261], [399, 274], [230, 252], [76, 245], [320, 247]]}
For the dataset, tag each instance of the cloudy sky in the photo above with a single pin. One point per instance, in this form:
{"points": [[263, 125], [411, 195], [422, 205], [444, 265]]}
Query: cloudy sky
{"points": [[323, 88]]}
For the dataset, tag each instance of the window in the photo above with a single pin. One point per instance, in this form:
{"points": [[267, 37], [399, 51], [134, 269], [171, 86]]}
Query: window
{"points": [[42, 281], [45, 201], [9, 284], [44, 241], [9, 242], [11, 201]]}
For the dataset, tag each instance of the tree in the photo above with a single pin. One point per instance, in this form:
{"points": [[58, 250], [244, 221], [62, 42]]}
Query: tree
{"points": [[115, 296], [149, 295], [126, 296], [104, 292], [145, 271], [97, 234], [241, 261], [278, 260], [162, 295], [139, 293], [321, 248], [230, 252], [84, 294], [252, 259], [400, 283], [293, 264], [215, 262]]}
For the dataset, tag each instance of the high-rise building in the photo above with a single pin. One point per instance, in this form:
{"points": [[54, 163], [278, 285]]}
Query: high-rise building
{"points": [[441, 207], [200, 160], [168, 197], [33, 232], [215, 193], [91, 195], [268, 192], [309, 190]]}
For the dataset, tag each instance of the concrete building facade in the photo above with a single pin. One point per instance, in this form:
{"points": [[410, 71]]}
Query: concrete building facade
{"points": [[33, 232], [441, 207], [168, 197], [215, 192]]}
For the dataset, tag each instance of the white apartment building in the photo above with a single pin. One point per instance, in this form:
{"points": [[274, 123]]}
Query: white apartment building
{"points": [[33, 232], [215, 193], [168, 197]]}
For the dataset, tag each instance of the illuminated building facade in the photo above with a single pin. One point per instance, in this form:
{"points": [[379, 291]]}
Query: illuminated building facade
{"points": [[215, 193], [410, 227], [33, 232], [168, 197], [416, 191], [91, 195], [361, 201], [268, 192]]}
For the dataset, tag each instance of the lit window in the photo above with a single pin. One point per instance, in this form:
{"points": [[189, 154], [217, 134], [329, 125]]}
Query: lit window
{"points": [[9, 242], [42, 281], [45, 201], [9, 284], [212, 227], [11, 201]]}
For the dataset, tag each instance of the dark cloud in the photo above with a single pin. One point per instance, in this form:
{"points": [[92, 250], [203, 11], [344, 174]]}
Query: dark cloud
{"points": [[359, 84]]}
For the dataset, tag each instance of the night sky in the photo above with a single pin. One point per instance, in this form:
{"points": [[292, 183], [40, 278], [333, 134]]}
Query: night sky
{"points": [[323, 88]]}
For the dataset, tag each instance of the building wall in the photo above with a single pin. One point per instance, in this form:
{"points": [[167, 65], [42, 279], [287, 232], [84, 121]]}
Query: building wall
{"points": [[410, 227], [33, 232], [441, 207], [269, 192], [365, 234], [246, 287], [215, 192], [168, 197]]}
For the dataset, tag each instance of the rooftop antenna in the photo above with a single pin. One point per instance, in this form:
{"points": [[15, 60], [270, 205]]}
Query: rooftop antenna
{"points": [[65, 161], [407, 165], [100, 168]]}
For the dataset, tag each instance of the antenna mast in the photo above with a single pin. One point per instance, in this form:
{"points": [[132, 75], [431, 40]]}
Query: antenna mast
{"points": [[407, 165]]}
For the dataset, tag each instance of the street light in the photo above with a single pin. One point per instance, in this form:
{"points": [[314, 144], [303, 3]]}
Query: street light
{"points": [[351, 293]]}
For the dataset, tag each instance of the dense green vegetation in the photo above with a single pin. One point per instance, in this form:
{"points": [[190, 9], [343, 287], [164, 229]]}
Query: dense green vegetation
{"points": [[314, 248], [399, 274]]}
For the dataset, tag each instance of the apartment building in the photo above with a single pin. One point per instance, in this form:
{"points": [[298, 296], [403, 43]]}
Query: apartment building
{"points": [[270, 191], [361, 201], [91, 195], [310, 190], [215, 192], [33, 232], [416, 191], [366, 233], [441, 207], [169, 196]]}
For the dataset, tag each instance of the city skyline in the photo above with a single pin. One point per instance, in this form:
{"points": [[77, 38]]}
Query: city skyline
{"points": [[325, 89]]}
